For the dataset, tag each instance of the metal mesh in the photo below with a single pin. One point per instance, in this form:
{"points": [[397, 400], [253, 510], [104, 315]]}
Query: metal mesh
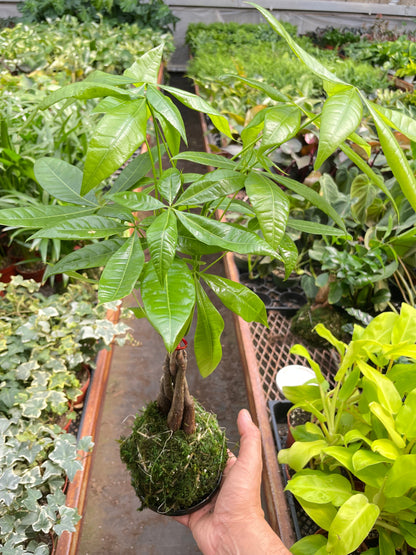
{"points": [[272, 346]]}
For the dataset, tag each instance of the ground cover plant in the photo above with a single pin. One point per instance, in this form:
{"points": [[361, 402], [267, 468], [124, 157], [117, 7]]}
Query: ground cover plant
{"points": [[45, 341]]}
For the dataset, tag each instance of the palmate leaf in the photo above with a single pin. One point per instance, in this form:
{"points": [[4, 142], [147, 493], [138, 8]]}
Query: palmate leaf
{"points": [[396, 158], [397, 120], [209, 327], [90, 256], [62, 180], [41, 216], [121, 271], [197, 103], [169, 184], [136, 201], [86, 227], [82, 91], [118, 135], [216, 184], [306, 58], [206, 159], [315, 228], [162, 239], [146, 68], [281, 123], [169, 307], [341, 115], [271, 206], [225, 236], [136, 169], [312, 196], [237, 298], [163, 106]]}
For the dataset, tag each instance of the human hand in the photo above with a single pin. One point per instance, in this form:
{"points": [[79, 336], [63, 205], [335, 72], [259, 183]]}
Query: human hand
{"points": [[233, 522]]}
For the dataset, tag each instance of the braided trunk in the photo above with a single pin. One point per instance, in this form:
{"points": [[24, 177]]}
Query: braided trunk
{"points": [[174, 399]]}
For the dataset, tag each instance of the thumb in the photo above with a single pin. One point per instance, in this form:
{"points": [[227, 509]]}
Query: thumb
{"points": [[250, 443]]}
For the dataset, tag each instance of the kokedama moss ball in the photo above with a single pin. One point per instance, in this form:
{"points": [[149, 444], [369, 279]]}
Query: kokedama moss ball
{"points": [[172, 471]]}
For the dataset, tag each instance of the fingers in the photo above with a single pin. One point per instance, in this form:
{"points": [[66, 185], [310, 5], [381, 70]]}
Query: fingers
{"points": [[250, 444]]}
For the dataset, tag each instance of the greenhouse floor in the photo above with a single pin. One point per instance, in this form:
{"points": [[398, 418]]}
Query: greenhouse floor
{"points": [[111, 522]]}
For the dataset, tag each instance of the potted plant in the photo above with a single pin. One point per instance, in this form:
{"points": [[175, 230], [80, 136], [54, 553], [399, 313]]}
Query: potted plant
{"points": [[152, 228], [354, 461]]}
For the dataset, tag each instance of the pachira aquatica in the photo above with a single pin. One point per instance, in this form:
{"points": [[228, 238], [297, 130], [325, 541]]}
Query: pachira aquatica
{"points": [[151, 227]]}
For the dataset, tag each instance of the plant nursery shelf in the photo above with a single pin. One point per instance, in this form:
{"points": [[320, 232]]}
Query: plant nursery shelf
{"points": [[263, 352]]}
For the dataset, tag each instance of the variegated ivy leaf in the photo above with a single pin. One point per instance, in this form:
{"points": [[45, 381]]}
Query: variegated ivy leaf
{"points": [[65, 455]]}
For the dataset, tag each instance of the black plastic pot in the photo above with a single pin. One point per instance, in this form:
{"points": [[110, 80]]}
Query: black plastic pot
{"points": [[193, 508]]}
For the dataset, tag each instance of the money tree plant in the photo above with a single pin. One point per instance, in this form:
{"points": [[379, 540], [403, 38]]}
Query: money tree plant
{"points": [[155, 231]]}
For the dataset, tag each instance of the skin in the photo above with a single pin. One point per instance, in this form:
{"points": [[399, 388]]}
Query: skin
{"points": [[233, 523]]}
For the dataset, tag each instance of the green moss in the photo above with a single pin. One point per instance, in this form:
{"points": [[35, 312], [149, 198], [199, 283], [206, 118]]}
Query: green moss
{"points": [[305, 320], [171, 471]]}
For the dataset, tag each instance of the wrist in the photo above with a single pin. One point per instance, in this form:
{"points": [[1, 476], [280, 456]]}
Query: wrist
{"points": [[251, 537]]}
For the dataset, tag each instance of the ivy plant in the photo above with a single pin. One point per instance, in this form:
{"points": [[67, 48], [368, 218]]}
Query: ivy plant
{"points": [[44, 342], [355, 460]]}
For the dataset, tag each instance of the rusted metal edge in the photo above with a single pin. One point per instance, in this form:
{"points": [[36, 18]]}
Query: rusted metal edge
{"points": [[67, 543], [276, 504]]}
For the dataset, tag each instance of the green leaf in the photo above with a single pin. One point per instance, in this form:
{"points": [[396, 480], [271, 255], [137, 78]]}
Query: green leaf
{"points": [[320, 487], [312, 196], [406, 417], [168, 308], [213, 185], [41, 216], [65, 455], [136, 201], [82, 91], [321, 513], [341, 115], [386, 419], [87, 227], [146, 68], [197, 103], [237, 298], [164, 107], [386, 448], [310, 545], [306, 58], [209, 327], [301, 452], [162, 239], [401, 477], [214, 233], [169, 184], [315, 228], [387, 394], [135, 170], [352, 524], [397, 120], [396, 158], [61, 180], [121, 271], [281, 123], [269, 91], [116, 138], [206, 159], [271, 206]]}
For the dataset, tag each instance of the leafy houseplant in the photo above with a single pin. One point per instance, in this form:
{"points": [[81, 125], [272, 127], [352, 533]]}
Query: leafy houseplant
{"points": [[44, 342], [355, 460], [171, 217], [154, 232]]}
